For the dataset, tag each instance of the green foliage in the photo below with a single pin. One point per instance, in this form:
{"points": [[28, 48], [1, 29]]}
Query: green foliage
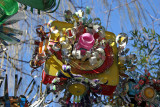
{"points": [[146, 44]]}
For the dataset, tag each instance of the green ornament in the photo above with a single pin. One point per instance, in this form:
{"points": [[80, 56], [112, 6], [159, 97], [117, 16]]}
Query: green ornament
{"points": [[84, 19], [78, 99], [86, 80], [43, 5], [88, 10], [54, 87], [7, 9], [54, 81]]}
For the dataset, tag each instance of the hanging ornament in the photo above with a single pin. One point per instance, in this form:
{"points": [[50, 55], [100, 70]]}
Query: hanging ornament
{"points": [[44, 5], [7, 9]]}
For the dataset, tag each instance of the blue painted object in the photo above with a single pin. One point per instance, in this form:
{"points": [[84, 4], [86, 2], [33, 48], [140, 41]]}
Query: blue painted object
{"points": [[23, 101], [7, 103], [131, 90]]}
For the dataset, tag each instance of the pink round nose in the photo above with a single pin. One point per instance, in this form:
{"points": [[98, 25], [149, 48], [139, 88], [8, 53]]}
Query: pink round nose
{"points": [[85, 43]]}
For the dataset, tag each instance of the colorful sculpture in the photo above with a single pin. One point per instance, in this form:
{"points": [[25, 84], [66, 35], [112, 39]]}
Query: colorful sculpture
{"points": [[80, 57], [143, 92]]}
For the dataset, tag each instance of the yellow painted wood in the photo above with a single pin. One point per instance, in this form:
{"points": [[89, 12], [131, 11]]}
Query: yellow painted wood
{"points": [[77, 89], [60, 25], [53, 65]]}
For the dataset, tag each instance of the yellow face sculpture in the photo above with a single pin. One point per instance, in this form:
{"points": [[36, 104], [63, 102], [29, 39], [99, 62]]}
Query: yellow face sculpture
{"points": [[106, 70]]}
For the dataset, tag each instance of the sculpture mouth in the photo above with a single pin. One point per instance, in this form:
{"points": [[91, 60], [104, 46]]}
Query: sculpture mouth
{"points": [[101, 65]]}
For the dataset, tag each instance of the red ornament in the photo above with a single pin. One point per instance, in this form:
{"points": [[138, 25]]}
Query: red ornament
{"points": [[141, 82]]}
